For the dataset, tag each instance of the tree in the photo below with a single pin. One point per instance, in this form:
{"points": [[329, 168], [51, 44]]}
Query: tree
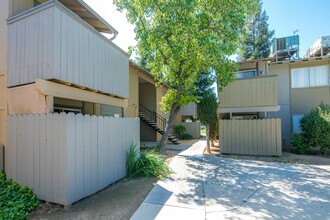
{"points": [[207, 113], [203, 84], [258, 38], [185, 38]]}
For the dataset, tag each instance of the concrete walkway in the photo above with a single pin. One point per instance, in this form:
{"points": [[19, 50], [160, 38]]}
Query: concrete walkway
{"points": [[206, 187]]}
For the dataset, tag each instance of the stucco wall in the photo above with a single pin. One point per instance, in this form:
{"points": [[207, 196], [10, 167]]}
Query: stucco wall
{"points": [[27, 100], [193, 128], [283, 95], [304, 99], [4, 14], [133, 98], [147, 97]]}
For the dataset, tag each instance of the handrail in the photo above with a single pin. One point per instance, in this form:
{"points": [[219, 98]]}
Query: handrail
{"points": [[156, 118]]}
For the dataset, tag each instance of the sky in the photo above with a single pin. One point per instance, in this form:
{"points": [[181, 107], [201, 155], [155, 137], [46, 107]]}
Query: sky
{"points": [[309, 17]]}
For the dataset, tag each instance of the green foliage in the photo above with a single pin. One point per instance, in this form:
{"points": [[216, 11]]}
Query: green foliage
{"points": [[149, 163], [15, 201], [186, 136], [214, 130], [203, 84], [299, 145], [179, 130], [258, 38], [315, 127], [181, 39], [207, 108]]}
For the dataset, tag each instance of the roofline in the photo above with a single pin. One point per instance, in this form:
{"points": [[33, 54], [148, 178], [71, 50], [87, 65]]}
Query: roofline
{"points": [[301, 60], [98, 17], [272, 60], [145, 72]]}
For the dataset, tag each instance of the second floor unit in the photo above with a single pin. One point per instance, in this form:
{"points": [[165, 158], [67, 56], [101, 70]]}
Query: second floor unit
{"points": [[62, 41], [253, 90]]}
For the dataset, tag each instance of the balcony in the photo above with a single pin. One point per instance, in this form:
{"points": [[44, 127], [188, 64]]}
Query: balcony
{"points": [[51, 42], [250, 94]]}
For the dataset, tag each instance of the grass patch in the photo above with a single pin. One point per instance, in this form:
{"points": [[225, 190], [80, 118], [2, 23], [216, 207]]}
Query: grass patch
{"points": [[149, 163], [15, 201]]}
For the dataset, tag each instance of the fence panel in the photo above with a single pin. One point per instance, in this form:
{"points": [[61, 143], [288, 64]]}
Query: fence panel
{"points": [[251, 137], [66, 157]]}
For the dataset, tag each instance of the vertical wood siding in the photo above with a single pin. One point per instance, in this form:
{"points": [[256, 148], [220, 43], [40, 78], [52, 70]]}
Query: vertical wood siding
{"points": [[251, 137], [251, 92], [54, 43], [66, 157]]}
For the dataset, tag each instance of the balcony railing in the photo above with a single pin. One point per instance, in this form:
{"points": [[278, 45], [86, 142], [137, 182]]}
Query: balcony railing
{"points": [[51, 42], [250, 92]]}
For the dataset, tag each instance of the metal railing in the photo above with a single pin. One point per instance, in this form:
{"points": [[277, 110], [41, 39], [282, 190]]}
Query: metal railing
{"points": [[156, 118]]}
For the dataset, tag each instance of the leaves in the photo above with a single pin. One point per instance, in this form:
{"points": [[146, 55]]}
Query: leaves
{"points": [[315, 127], [15, 201], [179, 39], [258, 38], [149, 163]]}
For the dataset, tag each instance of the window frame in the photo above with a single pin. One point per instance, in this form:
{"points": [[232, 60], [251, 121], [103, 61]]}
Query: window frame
{"points": [[293, 86], [247, 70]]}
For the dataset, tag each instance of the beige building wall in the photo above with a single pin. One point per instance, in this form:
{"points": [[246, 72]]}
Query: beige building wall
{"points": [[132, 109], [27, 100], [283, 95], [147, 98], [303, 100], [4, 14]]}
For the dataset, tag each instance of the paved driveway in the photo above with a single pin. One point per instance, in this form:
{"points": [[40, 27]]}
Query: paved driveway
{"points": [[206, 187]]}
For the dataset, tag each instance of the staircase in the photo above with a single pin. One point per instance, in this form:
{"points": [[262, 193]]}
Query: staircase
{"points": [[157, 122]]}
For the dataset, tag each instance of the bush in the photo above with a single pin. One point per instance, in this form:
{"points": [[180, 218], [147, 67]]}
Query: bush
{"points": [[179, 130], [186, 137], [15, 201], [299, 145], [315, 127], [149, 163]]}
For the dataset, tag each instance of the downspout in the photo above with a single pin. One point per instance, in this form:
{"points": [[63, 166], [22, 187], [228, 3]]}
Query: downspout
{"points": [[113, 36]]}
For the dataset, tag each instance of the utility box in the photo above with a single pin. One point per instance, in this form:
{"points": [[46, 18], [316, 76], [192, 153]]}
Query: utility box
{"points": [[286, 47], [321, 47]]}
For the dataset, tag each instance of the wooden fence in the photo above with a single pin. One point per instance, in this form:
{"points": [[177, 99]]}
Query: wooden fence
{"points": [[66, 157], [251, 137]]}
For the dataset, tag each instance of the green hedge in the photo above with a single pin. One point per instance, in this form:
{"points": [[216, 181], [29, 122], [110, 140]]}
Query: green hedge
{"points": [[315, 128], [15, 201]]}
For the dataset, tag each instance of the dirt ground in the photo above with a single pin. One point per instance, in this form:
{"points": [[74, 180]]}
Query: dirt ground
{"points": [[118, 201]]}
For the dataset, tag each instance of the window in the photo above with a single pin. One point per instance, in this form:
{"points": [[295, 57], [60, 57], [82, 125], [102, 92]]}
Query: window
{"points": [[296, 123], [310, 76], [113, 111], [246, 74]]}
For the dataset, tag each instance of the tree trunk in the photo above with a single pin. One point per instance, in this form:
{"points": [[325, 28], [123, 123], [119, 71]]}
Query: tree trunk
{"points": [[207, 127], [173, 113]]}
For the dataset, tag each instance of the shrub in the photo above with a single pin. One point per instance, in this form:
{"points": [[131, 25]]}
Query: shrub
{"points": [[149, 163], [179, 130], [315, 127], [186, 137], [15, 201], [299, 145]]}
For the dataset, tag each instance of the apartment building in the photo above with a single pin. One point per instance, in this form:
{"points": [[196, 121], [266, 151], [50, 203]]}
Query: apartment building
{"points": [[63, 90], [269, 89]]}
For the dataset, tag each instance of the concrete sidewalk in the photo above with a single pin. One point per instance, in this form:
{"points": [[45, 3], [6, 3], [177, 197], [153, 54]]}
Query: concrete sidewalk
{"points": [[206, 187]]}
